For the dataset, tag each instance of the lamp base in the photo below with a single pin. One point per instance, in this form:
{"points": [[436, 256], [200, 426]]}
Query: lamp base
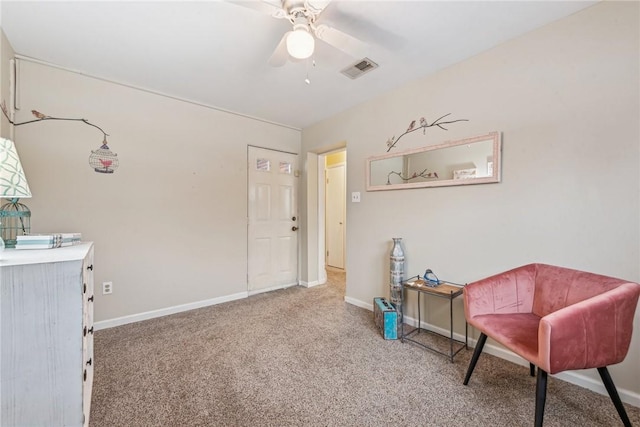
{"points": [[15, 220]]}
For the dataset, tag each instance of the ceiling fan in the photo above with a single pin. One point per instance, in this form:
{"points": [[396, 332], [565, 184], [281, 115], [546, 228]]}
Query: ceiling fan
{"points": [[299, 42]]}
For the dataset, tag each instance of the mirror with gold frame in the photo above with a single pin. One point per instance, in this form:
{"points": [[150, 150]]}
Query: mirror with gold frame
{"points": [[474, 160]]}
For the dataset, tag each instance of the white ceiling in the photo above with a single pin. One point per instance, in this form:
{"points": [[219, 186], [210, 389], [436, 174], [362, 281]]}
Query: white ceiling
{"points": [[215, 52]]}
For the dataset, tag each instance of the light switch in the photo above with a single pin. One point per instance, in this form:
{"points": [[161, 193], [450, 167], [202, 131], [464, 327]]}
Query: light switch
{"points": [[355, 197]]}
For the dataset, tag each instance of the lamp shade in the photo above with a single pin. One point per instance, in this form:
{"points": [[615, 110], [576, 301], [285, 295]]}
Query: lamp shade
{"points": [[300, 43], [13, 182]]}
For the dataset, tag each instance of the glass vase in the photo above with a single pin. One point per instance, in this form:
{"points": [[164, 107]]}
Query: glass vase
{"points": [[397, 277]]}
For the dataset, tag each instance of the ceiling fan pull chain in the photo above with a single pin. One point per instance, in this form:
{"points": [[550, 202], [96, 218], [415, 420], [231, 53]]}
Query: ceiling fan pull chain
{"points": [[313, 64]]}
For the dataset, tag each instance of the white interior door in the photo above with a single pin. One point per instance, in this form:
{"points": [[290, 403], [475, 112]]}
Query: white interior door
{"points": [[335, 215], [273, 220]]}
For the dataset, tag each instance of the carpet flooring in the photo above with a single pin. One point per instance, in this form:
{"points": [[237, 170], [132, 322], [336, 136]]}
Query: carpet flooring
{"points": [[304, 357]]}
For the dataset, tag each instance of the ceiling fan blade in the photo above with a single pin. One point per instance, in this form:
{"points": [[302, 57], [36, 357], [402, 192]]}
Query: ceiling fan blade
{"points": [[280, 55], [343, 41], [272, 8], [316, 6]]}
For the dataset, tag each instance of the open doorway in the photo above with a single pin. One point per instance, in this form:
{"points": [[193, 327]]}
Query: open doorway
{"points": [[335, 209], [332, 219], [335, 213]]}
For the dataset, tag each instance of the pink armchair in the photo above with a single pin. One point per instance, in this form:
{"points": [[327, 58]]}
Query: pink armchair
{"points": [[557, 319]]}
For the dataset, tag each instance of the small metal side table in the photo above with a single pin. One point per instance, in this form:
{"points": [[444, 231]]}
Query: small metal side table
{"points": [[443, 290]]}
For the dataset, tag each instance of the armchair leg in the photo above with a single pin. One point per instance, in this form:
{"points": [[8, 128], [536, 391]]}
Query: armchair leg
{"points": [[541, 396], [474, 359], [613, 394], [532, 369]]}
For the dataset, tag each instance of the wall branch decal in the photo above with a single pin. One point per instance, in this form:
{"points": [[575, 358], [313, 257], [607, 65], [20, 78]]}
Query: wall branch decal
{"points": [[102, 160], [41, 117], [391, 142]]}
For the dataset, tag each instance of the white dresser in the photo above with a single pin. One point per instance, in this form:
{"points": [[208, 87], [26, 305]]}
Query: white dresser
{"points": [[46, 336]]}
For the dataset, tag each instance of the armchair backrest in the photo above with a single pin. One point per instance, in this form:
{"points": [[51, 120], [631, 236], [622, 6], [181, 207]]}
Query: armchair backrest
{"points": [[559, 287]]}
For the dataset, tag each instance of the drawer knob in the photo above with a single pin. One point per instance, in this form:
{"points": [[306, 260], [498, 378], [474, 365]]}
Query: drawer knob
{"points": [[84, 376], [90, 299], [90, 267], [89, 362], [84, 288]]}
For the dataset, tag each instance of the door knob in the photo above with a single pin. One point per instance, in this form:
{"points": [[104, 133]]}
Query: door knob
{"points": [[294, 228]]}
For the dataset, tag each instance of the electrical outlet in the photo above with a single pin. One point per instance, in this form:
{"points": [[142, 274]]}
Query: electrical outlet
{"points": [[355, 197], [107, 288]]}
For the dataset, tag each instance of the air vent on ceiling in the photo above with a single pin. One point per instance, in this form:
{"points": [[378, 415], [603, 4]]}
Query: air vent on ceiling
{"points": [[359, 68]]}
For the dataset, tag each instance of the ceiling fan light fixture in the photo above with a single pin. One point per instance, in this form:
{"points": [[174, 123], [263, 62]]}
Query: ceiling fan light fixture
{"points": [[300, 43]]}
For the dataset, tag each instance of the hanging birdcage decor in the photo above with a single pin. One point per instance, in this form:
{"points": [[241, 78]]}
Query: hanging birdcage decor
{"points": [[15, 220], [103, 160]]}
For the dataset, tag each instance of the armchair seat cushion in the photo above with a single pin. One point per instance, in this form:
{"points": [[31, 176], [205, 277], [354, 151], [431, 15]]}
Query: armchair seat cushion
{"points": [[517, 331]]}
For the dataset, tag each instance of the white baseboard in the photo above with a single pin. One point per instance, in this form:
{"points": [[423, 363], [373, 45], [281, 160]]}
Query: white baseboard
{"points": [[627, 396], [272, 288], [118, 321], [359, 303], [574, 377], [310, 284], [322, 276], [321, 281], [442, 331]]}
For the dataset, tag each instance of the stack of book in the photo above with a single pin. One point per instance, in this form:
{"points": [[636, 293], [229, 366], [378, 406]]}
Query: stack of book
{"points": [[47, 241]]}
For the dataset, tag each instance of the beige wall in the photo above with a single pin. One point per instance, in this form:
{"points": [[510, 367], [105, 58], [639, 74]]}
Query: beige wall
{"points": [[567, 100], [6, 54], [169, 225]]}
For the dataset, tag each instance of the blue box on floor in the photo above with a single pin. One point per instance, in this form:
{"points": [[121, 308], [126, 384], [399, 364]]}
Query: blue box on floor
{"points": [[386, 318]]}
